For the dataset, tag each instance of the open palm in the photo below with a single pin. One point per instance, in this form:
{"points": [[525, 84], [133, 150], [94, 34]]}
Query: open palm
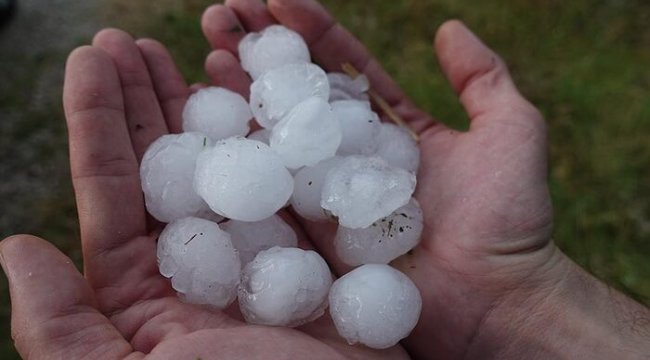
{"points": [[483, 193]]}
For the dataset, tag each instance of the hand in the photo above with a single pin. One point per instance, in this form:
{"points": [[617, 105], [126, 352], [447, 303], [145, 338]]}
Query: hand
{"points": [[119, 96], [486, 244], [488, 216], [483, 194]]}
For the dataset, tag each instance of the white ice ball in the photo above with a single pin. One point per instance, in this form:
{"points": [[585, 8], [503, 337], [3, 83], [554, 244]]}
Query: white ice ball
{"points": [[361, 190], [249, 238], [307, 135], [276, 92], [242, 179], [200, 260], [343, 87], [166, 174], [384, 240], [307, 189], [217, 112], [284, 287], [375, 305], [398, 148], [271, 48], [360, 127]]}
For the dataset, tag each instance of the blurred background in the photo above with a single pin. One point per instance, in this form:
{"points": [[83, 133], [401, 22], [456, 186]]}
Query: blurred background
{"points": [[584, 63]]}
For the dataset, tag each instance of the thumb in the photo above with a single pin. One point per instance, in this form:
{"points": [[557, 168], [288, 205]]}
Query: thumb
{"points": [[480, 78], [53, 313]]}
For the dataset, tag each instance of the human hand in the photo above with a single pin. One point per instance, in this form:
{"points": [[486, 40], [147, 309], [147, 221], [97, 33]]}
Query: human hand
{"points": [[119, 96], [488, 216], [485, 263]]}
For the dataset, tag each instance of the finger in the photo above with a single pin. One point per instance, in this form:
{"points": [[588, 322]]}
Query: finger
{"points": [[168, 83], [331, 45], [117, 253], [53, 308], [143, 114], [103, 165], [224, 70], [480, 77], [222, 28], [253, 14]]}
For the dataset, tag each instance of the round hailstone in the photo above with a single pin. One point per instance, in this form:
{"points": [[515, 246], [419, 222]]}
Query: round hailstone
{"points": [[361, 190], [398, 148], [200, 260], [276, 92], [360, 127], [343, 87], [166, 173], [375, 305], [261, 135], [242, 179], [249, 238], [307, 135], [217, 112], [382, 241], [307, 188], [275, 46], [284, 287]]}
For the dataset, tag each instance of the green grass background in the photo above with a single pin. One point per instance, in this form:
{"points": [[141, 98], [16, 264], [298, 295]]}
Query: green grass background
{"points": [[583, 63]]}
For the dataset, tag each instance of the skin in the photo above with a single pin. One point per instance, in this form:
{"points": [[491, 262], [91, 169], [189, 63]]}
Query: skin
{"points": [[493, 283]]}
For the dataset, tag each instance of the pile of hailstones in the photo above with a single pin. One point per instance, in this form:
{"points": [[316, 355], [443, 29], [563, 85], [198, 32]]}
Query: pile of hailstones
{"points": [[320, 149]]}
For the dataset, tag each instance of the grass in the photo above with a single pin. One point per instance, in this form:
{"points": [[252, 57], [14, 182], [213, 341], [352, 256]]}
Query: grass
{"points": [[583, 63]]}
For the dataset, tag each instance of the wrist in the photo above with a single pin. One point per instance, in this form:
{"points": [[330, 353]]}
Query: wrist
{"points": [[563, 312]]}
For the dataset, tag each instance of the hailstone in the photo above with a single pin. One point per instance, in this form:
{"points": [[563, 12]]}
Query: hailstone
{"points": [[284, 287], [217, 112], [200, 260], [308, 186], [361, 190], [166, 174], [276, 92], [307, 135], [271, 48], [375, 305], [398, 148], [360, 127], [382, 241], [242, 179]]}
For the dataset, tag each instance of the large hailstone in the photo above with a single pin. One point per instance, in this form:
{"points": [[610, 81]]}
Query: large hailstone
{"points": [[384, 240], [361, 190], [242, 179], [284, 287], [166, 174], [275, 46], [276, 92], [375, 305], [398, 148], [343, 87], [217, 112], [307, 189], [249, 238], [200, 260], [360, 127], [307, 135]]}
